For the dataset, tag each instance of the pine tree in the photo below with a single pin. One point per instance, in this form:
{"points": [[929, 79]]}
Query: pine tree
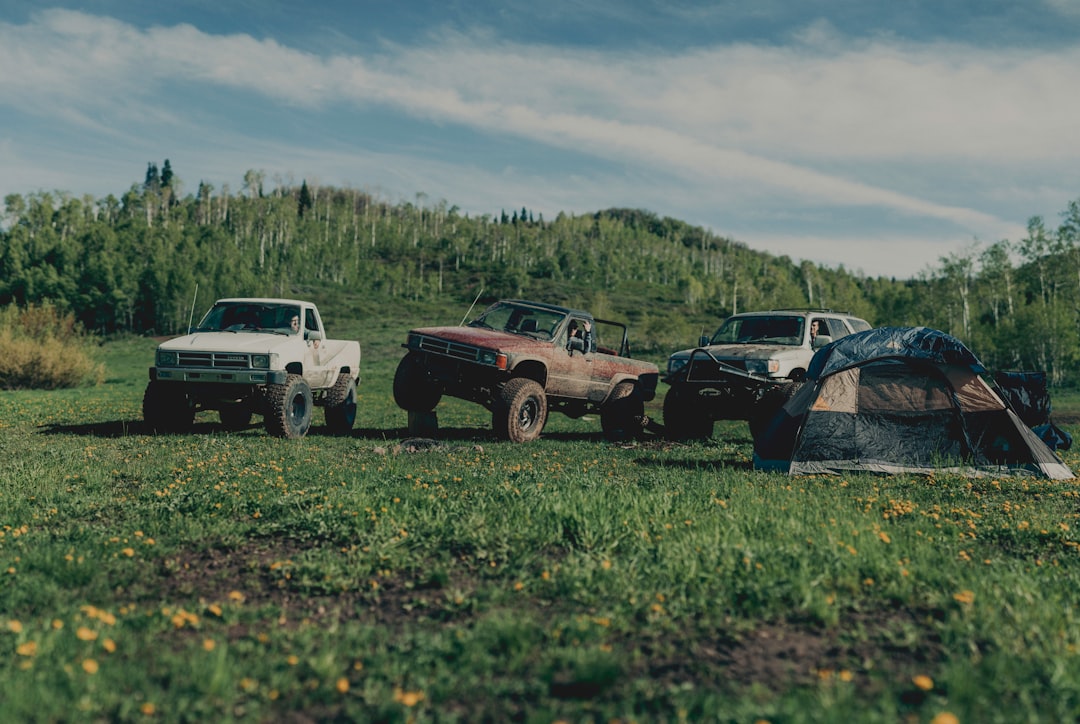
{"points": [[153, 178], [304, 202]]}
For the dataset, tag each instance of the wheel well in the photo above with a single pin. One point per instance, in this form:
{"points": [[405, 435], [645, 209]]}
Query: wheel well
{"points": [[797, 374], [532, 370]]}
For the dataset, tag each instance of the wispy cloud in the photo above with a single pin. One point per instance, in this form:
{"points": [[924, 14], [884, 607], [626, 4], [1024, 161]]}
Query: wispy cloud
{"points": [[799, 122]]}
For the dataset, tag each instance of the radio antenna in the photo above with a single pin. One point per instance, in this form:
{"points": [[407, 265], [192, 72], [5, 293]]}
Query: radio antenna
{"points": [[191, 317], [471, 306]]}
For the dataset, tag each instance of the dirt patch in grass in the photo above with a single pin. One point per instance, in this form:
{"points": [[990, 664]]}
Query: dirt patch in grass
{"points": [[866, 649]]}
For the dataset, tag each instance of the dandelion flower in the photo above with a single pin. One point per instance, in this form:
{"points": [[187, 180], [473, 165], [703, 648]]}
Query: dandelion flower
{"points": [[965, 597], [90, 666], [28, 648], [408, 698], [923, 682], [945, 717], [85, 634], [342, 685]]}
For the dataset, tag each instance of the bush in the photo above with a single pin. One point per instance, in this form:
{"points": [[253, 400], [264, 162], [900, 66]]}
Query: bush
{"points": [[43, 348]]}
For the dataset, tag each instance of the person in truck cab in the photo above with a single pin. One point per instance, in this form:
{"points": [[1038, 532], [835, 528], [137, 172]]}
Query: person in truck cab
{"points": [[294, 324], [582, 331]]}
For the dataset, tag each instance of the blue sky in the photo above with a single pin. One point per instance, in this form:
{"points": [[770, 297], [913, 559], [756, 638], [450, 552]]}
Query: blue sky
{"points": [[877, 135]]}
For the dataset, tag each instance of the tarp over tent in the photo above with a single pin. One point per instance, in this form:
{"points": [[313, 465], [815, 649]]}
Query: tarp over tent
{"points": [[1028, 394], [901, 400]]}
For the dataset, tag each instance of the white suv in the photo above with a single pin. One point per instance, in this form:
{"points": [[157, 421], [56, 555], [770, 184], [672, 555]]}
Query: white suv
{"points": [[775, 344], [726, 376]]}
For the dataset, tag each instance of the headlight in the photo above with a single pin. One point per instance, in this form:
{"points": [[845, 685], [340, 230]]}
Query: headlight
{"points": [[762, 366], [260, 361], [413, 342], [491, 357], [674, 364], [167, 358]]}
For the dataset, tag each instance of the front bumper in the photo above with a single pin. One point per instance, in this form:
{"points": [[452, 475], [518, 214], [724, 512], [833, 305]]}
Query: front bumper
{"points": [[217, 376]]}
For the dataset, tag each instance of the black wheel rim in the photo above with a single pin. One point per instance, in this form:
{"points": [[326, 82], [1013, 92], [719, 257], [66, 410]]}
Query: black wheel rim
{"points": [[297, 409], [530, 410]]}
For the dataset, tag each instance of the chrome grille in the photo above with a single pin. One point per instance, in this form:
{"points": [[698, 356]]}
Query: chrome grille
{"points": [[450, 349], [219, 360]]}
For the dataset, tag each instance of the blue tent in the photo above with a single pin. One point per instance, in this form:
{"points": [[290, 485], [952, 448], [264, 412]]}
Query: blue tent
{"points": [[901, 400]]}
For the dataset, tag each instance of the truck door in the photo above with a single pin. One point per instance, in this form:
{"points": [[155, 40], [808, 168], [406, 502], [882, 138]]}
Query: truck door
{"points": [[570, 373], [314, 365]]}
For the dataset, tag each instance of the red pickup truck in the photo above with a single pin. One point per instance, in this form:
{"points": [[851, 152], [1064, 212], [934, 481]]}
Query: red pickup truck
{"points": [[523, 359]]}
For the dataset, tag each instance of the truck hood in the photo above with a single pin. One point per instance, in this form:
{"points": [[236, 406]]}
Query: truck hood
{"points": [[486, 338], [251, 342], [747, 351]]}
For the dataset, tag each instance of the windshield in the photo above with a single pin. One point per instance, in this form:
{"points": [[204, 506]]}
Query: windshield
{"points": [[251, 317], [780, 329], [518, 318]]}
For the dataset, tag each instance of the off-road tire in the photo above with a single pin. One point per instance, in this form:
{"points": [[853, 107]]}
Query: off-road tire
{"points": [[166, 407], [288, 408], [413, 390], [520, 410], [769, 405], [683, 420], [235, 416], [340, 407], [622, 417]]}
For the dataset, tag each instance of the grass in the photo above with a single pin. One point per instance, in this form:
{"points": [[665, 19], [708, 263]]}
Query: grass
{"points": [[235, 577]]}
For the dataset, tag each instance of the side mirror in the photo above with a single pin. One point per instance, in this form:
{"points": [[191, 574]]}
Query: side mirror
{"points": [[821, 340], [703, 341], [311, 334], [576, 344]]}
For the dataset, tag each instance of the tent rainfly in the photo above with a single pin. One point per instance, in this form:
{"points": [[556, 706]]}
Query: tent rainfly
{"points": [[901, 400]]}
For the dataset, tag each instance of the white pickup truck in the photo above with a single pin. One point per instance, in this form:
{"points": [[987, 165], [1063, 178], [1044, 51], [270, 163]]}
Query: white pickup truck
{"points": [[255, 356]]}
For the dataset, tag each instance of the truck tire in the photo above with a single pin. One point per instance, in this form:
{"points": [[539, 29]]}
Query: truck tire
{"points": [[623, 415], [288, 408], [235, 416], [340, 408], [520, 410], [682, 418], [166, 407], [413, 390]]}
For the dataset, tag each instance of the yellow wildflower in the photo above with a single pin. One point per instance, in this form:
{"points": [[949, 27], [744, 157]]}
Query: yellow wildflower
{"points": [[408, 698], [923, 682]]}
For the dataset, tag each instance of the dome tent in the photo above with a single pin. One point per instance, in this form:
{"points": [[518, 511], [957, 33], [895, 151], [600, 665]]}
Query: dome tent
{"points": [[901, 400]]}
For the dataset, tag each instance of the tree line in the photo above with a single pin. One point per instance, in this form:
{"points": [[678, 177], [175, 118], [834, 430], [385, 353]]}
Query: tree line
{"points": [[131, 264]]}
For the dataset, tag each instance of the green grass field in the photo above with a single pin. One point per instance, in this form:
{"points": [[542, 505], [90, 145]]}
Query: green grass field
{"points": [[230, 576]]}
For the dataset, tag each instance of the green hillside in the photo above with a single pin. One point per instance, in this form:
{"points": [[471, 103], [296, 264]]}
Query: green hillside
{"points": [[134, 264]]}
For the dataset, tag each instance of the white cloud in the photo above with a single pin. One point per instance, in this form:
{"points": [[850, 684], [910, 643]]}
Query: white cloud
{"points": [[740, 124]]}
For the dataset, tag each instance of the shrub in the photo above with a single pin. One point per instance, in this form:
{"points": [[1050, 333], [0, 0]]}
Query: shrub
{"points": [[43, 348]]}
